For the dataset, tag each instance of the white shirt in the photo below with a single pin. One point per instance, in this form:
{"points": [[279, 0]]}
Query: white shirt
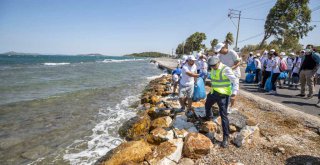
{"points": [[185, 79], [263, 60], [229, 59], [232, 77], [297, 64], [269, 65], [290, 63], [257, 63], [250, 60], [275, 65]]}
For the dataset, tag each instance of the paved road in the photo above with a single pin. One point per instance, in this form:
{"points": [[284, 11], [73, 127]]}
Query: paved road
{"points": [[286, 96]]}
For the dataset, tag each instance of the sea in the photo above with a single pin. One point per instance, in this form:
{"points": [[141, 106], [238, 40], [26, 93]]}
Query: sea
{"points": [[59, 109]]}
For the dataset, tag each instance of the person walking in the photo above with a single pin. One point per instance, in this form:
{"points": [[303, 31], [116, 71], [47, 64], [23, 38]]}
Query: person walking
{"points": [[289, 62], [186, 86], [296, 69], [268, 69], [275, 72], [309, 66], [231, 59], [257, 64], [222, 77]]}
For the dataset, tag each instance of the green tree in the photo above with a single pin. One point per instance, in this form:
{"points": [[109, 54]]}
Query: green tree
{"points": [[194, 42], [179, 50], [229, 39], [293, 16], [213, 43]]}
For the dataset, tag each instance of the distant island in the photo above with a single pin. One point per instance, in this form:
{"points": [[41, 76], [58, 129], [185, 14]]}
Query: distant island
{"points": [[148, 54], [12, 53]]}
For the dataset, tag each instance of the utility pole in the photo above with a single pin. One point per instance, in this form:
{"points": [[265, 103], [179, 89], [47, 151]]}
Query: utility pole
{"points": [[235, 14]]}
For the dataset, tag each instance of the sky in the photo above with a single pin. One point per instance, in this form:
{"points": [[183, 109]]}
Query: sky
{"points": [[119, 27]]}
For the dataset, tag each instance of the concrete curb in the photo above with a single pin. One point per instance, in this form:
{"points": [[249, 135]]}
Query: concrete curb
{"points": [[268, 105]]}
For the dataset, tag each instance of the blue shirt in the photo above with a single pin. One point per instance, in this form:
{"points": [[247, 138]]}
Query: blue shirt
{"points": [[177, 71]]}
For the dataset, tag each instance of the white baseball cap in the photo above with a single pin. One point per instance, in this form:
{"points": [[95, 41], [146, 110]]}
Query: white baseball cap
{"points": [[251, 53], [258, 55], [272, 50], [191, 57], [282, 54], [292, 54], [218, 47]]}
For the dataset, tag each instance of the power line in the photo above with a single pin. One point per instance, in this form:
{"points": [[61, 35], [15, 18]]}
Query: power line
{"points": [[252, 37], [258, 5]]}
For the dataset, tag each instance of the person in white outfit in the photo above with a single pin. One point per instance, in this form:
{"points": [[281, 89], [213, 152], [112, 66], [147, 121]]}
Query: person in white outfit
{"points": [[275, 72], [257, 65]]}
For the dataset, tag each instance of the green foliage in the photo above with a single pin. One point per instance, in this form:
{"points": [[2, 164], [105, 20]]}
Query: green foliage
{"points": [[180, 50], [288, 16], [194, 42], [148, 54], [229, 39], [213, 43]]}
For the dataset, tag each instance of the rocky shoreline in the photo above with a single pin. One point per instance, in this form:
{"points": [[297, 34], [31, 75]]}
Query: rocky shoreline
{"points": [[161, 135]]}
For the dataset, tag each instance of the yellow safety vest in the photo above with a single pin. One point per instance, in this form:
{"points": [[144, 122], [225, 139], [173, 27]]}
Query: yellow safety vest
{"points": [[220, 82]]}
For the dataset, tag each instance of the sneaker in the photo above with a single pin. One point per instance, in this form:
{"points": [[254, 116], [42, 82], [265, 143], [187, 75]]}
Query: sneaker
{"points": [[301, 95], [273, 92], [309, 97], [189, 113], [318, 104]]}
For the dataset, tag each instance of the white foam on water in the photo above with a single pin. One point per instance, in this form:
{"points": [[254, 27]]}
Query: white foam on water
{"points": [[157, 76], [100, 142], [119, 61], [55, 64]]}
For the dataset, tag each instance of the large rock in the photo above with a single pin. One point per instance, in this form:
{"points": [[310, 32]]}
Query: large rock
{"points": [[167, 153], [186, 161], [237, 119], [136, 127], [128, 152], [196, 145], [154, 99], [160, 135], [209, 126], [246, 134], [251, 121], [162, 122], [158, 112], [182, 123], [180, 133]]}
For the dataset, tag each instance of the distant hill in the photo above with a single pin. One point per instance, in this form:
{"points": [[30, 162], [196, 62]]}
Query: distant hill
{"points": [[18, 53], [91, 54], [148, 54]]}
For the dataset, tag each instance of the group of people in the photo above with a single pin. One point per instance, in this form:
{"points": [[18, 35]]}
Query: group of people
{"points": [[292, 70], [223, 70]]}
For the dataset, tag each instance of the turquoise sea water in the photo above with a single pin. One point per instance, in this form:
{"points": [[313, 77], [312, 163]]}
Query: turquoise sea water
{"points": [[66, 109]]}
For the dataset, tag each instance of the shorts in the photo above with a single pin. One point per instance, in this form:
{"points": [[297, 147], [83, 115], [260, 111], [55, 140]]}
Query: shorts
{"points": [[186, 91]]}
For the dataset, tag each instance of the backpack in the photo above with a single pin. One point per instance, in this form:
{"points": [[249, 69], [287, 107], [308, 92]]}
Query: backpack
{"points": [[283, 66]]}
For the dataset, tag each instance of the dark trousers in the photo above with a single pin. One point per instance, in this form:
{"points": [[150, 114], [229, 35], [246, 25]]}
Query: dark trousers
{"points": [[319, 95], [258, 75], [223, 101], [274, 80], [266, 75]]}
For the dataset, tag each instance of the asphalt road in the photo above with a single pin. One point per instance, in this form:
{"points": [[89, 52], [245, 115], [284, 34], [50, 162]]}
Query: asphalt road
{"points": [[286, 97]]}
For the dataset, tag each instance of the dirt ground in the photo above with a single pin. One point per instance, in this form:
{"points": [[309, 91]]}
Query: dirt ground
{"points": [[283, 140]]}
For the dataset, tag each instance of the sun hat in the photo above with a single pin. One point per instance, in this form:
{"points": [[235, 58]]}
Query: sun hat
{"points": [[191, 57], [251, 53], [272, 50], [213, 60], [282, 54], [258, 55], [292, 54], [218, 47]]}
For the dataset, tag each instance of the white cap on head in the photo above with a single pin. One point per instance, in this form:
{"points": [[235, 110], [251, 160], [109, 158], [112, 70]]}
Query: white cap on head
{"points": [[218, 47], [213, 60], [251, 53], [258, 55], [184, 58], [282, 54], [265, 52], [272, 50], [191, 57], [292, 54]]}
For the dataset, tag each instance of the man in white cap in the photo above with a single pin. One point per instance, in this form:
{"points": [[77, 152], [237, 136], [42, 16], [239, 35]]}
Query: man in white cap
{"points": [[222, 77], [289, 62], [250, 60], [186, 86], [231, 59], [257, 65]]}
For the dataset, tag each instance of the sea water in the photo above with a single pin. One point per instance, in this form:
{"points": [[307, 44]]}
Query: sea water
{"points": [[66, 109]]}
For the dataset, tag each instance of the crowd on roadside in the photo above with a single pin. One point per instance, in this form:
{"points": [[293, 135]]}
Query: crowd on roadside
{"points": [[275, 70]]}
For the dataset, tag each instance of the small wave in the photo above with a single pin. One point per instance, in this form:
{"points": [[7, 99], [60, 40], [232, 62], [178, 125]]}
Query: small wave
{"points": [[118, 61], [55, 64], [157, 76], [101, 141]]}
